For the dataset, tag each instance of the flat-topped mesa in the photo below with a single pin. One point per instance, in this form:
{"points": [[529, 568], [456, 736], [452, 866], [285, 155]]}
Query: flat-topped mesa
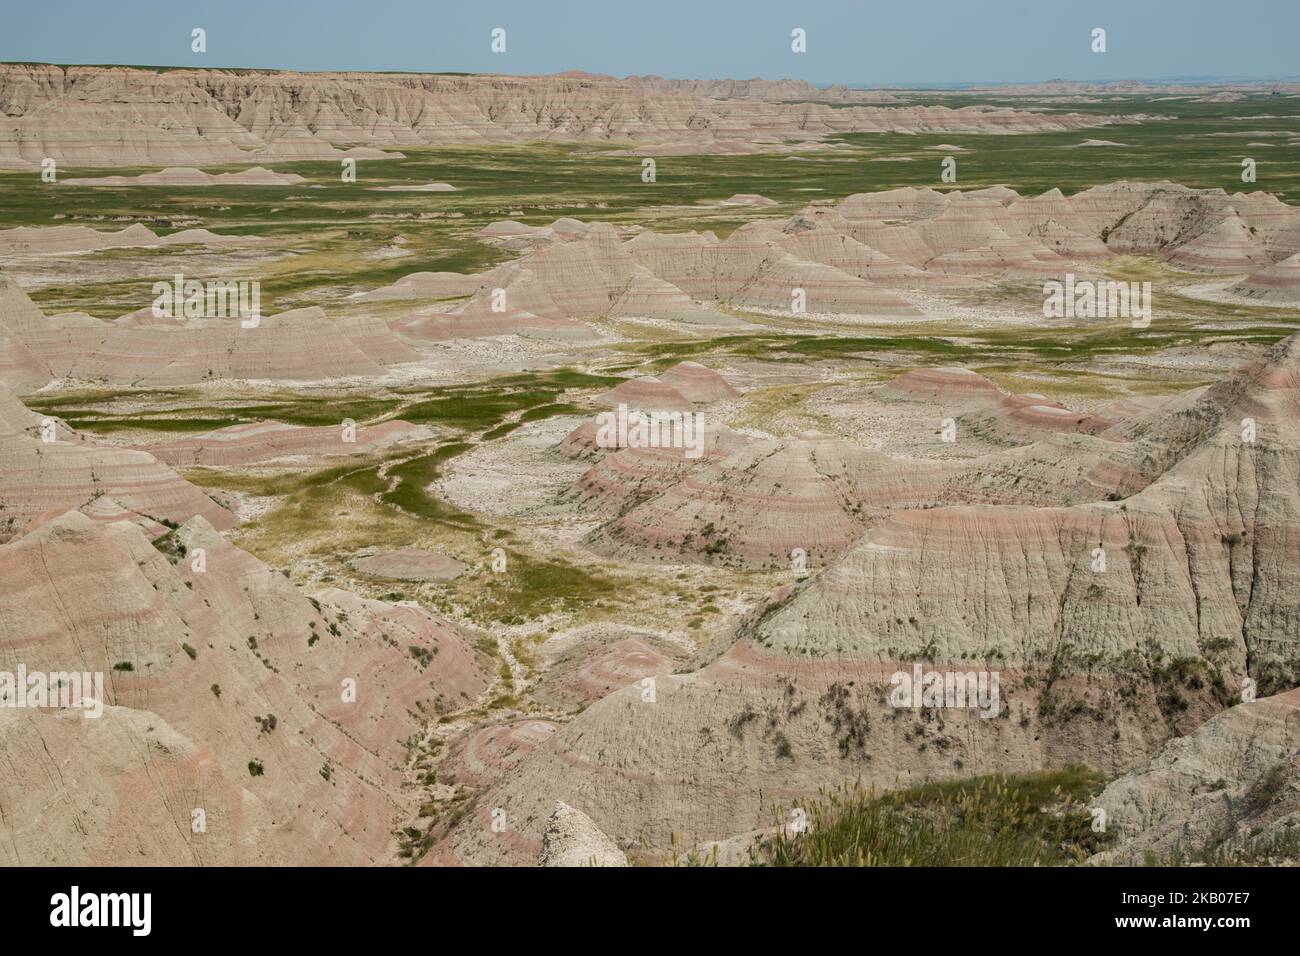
{"points": [[188, 117], [906, 203], [417, 188], [510, 234], [748, 199], [425, 285], [409, 564]]}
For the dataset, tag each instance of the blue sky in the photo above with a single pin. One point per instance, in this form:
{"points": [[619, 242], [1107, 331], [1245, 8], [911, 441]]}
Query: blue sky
{"points": [[859, 42]]}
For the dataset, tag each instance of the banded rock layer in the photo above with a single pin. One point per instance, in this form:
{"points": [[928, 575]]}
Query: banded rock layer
{"points": [[299, 345], [1100, 661], [48, 468], [232, 705]]}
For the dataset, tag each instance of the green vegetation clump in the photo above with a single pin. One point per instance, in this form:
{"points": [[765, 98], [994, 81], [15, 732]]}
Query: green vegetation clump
{"points": [[1034, 819], [532, 587]]}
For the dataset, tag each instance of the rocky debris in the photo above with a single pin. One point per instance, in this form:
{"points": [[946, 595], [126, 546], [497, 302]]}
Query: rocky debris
{"points": [[572, 839]]}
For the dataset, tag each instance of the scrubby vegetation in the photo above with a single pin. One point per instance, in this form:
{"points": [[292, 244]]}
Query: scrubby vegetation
{"points": [[1036, 819]]}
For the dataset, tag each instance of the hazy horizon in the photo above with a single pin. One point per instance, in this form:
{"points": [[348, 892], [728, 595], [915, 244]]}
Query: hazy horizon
{"points": [[954, 43]]}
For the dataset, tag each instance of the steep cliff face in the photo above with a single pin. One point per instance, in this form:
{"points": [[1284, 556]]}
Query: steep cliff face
{"points": [[113, 116]]}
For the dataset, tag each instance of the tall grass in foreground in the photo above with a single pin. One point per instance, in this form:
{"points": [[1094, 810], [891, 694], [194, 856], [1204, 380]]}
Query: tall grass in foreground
{"points": [[1036, 819], [1279, 849]]}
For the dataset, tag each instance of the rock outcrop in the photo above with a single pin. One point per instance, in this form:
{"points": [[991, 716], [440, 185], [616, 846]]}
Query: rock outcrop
{"points": [[1231, 786], [243, 722], [571, 839]]}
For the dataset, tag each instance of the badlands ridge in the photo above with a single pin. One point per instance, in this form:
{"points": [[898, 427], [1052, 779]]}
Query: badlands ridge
{"points": [[209, 117]]}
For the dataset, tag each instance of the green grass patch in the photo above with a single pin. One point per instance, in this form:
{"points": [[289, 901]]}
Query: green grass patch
{"points": [[1034, 819]]}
